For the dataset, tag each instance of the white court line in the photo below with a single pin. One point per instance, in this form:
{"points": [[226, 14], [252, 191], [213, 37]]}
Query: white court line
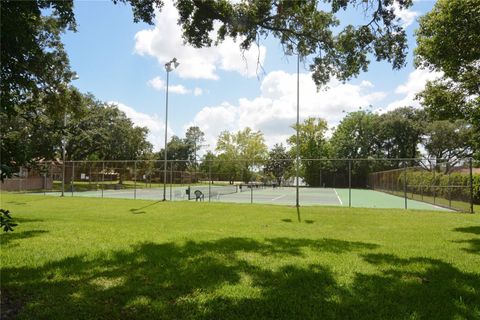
{"points": [[284, 195], [338, 196]]}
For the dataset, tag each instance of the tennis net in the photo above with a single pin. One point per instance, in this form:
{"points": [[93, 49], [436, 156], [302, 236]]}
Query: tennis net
{"points": [[211, 191]]}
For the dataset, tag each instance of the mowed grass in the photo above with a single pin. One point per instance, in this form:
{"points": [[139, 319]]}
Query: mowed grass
{"points": [[82, 258]]}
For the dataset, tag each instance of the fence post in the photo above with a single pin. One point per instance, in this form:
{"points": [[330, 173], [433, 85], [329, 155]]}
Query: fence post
{"points": [[349, 183], [251, 193], [171, 178], [449, 189], [103, 176], [471, 185], [209, 181], [135, 180], [63, 177], [45, 183], [405, 182], [421, 186], [73, 178]]}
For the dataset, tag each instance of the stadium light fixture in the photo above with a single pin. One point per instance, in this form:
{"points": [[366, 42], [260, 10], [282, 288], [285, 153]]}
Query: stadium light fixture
{"points": [[169, 67]]}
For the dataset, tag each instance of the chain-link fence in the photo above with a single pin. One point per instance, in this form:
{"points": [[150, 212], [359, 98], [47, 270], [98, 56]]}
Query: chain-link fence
{"points": [[377, 183]]}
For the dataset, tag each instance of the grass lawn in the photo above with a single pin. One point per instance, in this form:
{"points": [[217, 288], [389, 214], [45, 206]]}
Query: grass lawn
{"points": [[82, 258]]}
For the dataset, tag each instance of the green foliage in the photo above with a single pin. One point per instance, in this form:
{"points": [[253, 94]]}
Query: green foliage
{"points": [[35, 131], [6, 221], [399, 133], [194, 137], [448, 140], [33, 59], [357, 136], [444, 100], [313, 145], [448, 39], [306, 27], [34, 62], [278, 163], [454, 186], [241, 152]]}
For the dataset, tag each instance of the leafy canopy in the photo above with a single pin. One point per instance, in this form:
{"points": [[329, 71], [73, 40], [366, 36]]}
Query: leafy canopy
{"points": [[304, 27]]}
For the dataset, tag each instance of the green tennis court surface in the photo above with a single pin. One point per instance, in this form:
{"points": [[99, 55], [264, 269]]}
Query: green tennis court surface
{"points": [[281, 196]]}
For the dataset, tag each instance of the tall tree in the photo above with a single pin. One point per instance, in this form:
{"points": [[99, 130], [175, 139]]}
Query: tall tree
{"points": [[400, 132], [448, 38], [104, 132], [178, 149], [278, 163], [306, 27], [33, 57], [313, 145], [448, 141], [194, 137], [36, 131], [357, 136], [244, 149]]}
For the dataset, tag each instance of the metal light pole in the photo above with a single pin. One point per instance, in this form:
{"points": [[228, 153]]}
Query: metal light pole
{"points": [[169, 66]]}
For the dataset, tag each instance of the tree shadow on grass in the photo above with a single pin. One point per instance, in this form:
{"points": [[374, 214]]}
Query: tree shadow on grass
{"points": [[474, 243], [224, 279], [419, 287], [6, 239], [473, 229]]}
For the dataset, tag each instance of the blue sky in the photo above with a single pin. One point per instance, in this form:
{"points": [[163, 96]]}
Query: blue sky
{"points": [[121, 61]]}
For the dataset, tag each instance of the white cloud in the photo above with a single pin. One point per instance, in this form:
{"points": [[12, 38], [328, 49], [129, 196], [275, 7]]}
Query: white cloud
{"points": [[158, 84], [407, 16], [274, 110], [164, 42], [415, 83], [155, 125]]}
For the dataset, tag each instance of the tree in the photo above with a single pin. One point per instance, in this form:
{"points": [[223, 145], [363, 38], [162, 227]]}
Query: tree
{"points": [[306, 27], [448, 141], [243, 150], [31, 36], [444, 100], [278, 163], [400, 132], [36, 131], [178, 149], [313, 145], [194, 137], [104, 132], [448, 38], [33, 58], [357, 136]]}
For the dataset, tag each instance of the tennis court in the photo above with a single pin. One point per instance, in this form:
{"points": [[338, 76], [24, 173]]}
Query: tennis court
{"points": [[266, 195]]}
